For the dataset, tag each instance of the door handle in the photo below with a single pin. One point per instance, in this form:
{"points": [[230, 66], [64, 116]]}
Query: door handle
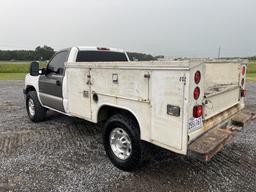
{"points": [[58, 83]]}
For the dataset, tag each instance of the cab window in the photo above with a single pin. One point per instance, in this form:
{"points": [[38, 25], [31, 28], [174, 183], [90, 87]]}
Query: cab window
{"points": [[100, 56], [56, 65]]}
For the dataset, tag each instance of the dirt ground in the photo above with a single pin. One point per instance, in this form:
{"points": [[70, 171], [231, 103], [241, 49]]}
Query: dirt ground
{"points": [[66, 154]]}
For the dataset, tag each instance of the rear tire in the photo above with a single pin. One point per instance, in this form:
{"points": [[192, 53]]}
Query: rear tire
{"points": [[121, 139], [35, 110]]}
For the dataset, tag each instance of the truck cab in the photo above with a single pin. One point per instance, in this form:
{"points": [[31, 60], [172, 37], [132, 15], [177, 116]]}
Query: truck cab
{"points": [[50, 83]]}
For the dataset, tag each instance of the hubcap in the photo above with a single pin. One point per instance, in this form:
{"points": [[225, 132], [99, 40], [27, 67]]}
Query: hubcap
{"points": [[120, 143], [31, 107]]}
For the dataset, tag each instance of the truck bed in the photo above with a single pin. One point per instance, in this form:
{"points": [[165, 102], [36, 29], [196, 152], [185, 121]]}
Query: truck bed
{"points": [[218, 89], [221, 86]]}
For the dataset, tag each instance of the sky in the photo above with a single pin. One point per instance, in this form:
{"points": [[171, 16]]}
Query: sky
{"points": [[174, 28]]}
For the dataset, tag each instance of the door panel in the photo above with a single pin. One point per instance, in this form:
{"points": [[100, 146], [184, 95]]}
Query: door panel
{"points": [[79, 92], [50, 84], [50, 91], [167, 91]]}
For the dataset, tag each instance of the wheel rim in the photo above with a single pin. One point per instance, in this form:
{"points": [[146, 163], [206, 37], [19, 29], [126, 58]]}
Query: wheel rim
{"points": [[120, 143], [31, 107]]}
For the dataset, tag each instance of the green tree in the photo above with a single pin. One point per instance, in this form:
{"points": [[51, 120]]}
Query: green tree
{"points": [[44, 52]]}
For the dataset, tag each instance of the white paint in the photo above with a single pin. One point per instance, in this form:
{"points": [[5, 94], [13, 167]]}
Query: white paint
{"points": [[33, 81], [169, 82]]}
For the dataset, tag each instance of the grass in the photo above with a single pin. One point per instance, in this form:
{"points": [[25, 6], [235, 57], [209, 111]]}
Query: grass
{"points": [[251, 67], [12, 76], [17, 66], [251, 70], [16, 70], [251, 76]]}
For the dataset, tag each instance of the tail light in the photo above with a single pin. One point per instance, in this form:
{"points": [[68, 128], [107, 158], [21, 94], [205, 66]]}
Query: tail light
{"points": [[103, 49], [196, 93], [243, 70], [197, 111], [197, 77]]}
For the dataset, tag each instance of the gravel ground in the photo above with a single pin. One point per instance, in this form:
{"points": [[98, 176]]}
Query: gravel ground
{"points": [[66, 154]]}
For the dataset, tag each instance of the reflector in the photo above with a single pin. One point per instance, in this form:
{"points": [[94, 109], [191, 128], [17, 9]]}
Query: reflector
{"points": [[197, 77], [243, 70], [196, 93]]}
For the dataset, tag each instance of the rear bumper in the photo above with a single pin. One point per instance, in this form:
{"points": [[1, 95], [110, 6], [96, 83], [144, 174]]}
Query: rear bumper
{"points": [[220, 120], [210, 143]]}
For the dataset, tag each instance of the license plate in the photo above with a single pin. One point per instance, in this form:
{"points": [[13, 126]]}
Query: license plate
{"points": [[195, 123]]}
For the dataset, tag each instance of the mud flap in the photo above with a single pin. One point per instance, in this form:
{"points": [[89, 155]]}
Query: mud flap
{"points": [[210, 143]]}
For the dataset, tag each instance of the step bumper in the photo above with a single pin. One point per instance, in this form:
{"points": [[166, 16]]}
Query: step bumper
{"points": [[210, 143]]}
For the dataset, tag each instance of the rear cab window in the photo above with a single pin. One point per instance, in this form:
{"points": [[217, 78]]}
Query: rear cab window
{"points": [[100, 56]]}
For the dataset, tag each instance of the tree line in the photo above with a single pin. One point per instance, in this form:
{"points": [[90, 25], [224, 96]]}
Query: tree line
{"points": [[45, 53], [40, 53], [21, 55]]}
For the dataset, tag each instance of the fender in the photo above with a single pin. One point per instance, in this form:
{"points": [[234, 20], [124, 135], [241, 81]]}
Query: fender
{"points": [[95, 117], [33, 81]]}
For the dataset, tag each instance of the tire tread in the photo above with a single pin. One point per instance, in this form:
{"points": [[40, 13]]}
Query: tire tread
{"points": [[40, 111], [132, 126]]}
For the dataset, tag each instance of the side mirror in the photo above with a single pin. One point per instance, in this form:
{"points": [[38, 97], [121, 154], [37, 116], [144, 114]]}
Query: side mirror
{"points": [[34, 68]]}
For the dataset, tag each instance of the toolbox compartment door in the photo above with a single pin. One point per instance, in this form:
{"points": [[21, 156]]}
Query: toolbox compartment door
{"points": [[79, 92], [167, 98]]}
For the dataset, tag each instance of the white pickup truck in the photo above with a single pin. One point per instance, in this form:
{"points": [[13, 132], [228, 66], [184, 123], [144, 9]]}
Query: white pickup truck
{"points": [[188, 107]]}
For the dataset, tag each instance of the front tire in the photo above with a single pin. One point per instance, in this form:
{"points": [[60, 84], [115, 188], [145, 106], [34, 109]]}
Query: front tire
{"points": [[35, 110], [121, 138]]}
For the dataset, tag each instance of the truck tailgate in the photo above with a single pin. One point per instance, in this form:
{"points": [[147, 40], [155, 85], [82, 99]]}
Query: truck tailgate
{"points": [[222, 86], [219, 98]]}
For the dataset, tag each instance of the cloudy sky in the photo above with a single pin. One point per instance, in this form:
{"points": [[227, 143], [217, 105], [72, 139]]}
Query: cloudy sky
{"points": [[194, 28]]}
